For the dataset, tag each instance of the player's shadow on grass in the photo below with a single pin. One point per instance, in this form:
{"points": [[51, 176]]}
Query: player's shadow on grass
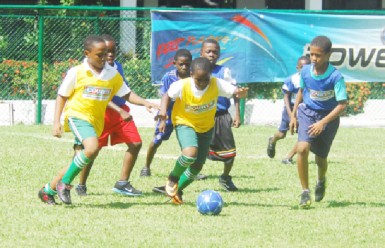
{"points": [[254, 190], [253, 204], [342, 204]]}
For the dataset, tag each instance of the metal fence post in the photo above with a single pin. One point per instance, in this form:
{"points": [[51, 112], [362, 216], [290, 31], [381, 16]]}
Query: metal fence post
{"points": [[40, 66]]}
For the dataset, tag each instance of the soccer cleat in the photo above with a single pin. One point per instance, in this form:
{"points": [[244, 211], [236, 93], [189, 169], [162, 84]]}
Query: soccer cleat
{"points": [[171, 188], [271, 148], [227, 183], [320, 190], [305, 200], [160, 190], [287, 161], [46, 198], [201, 177], [63, 192], [177, 199], [145, 172], [126, 189], [81, 190]]}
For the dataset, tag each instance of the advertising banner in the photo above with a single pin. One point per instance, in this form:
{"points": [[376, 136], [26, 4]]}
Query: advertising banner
{"points": [[264, 46]]}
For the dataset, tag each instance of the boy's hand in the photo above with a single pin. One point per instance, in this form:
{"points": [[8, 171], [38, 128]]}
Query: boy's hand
{"points": [[126, 116], [293, 125], [241, 92], [162, 125], [316, 128], [150, 106], [236, 122], [57, 130]]}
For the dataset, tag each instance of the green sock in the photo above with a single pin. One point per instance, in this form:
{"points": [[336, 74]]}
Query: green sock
{"points": [[78, 163], [48, 190], [181, 164], [187, 177]]}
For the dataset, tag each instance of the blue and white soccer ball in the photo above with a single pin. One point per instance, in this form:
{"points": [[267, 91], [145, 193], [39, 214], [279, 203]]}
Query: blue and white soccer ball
{"points": [[209, 202]]}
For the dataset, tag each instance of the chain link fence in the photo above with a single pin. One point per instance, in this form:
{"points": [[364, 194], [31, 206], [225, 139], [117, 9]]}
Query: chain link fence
{"points": [[40, 44]]}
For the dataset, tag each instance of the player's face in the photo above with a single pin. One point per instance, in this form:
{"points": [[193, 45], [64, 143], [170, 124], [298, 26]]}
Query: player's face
{"points": [[182, 64], [96, 57], [300, 64], [319, 58], [211, 52], [201, 78], [111, 52]]}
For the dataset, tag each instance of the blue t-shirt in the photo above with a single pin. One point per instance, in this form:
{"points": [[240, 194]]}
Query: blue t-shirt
{"points": [[223, 103], [116, 99], [168, 78], [291, 85], [322, 92]]}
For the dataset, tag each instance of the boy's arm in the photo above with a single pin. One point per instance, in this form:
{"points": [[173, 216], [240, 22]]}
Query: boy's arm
{"points": [[241, 92], [162, 115], [286, 100], [293, 117], [237, 117], [124, 114], [318, 127], [59, 106], [137, 100]]}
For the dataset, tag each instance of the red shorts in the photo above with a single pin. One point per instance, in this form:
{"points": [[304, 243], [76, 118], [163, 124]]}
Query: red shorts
{"points": [[118, 130]]}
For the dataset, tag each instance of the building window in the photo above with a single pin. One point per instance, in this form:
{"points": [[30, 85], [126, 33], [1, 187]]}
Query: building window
{"points": [[285, 4], [351, 4]]}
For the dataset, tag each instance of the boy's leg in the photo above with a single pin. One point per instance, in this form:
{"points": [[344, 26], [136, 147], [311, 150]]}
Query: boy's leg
{"points": [[85, 135], [272, 142], [280, 134], [303, 149], [188, 141], [320, 188], [225, 180], [123, 186], [290, 155], [153, 147]]}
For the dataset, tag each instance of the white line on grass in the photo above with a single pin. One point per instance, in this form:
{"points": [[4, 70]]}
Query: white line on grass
{"points": [[116, 148]]}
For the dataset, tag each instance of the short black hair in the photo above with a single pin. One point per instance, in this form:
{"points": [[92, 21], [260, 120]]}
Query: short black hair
{"points": [[91, 40], [306, 58], [322, 42], [183, 53], [211, 41], [201, 63], [107, 37]]}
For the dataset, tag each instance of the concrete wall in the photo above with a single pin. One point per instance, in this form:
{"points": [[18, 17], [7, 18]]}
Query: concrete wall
{"points": [[257, 112]]}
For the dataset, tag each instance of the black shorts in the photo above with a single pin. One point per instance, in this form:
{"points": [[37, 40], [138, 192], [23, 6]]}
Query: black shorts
{"points": [[222, 147]]}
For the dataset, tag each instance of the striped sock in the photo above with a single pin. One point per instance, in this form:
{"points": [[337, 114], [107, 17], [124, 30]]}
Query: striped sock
{"points": [[48, 190], [78, 163], [187, 177], [181, 164]]}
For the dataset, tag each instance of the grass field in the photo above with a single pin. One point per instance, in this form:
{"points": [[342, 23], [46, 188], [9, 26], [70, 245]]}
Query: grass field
{"points": [[264, 213]]}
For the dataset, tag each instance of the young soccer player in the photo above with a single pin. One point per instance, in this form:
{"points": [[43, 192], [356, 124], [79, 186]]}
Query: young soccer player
{"points": [[84, 94], [193, 117], [222, 147], [290, 88], [323, 92], [118, 130], [182, 62]]}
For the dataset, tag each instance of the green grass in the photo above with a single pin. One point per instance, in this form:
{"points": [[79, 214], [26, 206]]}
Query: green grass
{"points": [[264, 213]]}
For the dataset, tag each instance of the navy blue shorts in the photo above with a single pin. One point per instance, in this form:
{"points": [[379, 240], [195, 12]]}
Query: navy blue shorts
{"points": [[159, 137], [319, 145], [284, 127]]}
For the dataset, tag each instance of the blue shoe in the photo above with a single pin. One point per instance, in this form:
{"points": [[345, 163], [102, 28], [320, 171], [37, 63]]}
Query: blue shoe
{"points": [[126, 189]]}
